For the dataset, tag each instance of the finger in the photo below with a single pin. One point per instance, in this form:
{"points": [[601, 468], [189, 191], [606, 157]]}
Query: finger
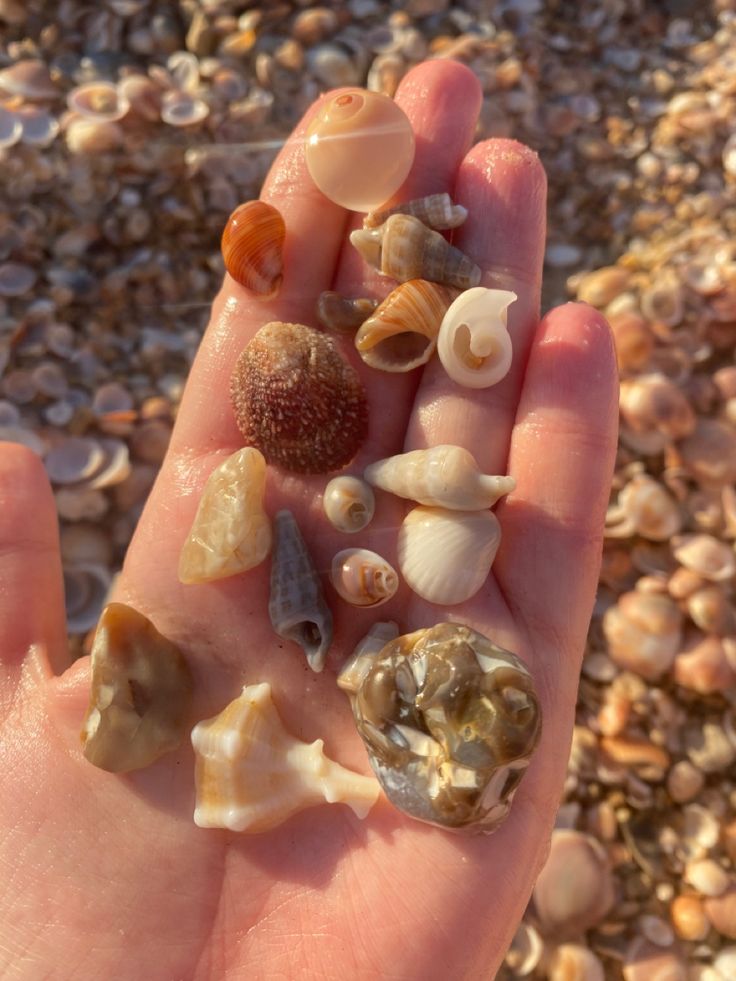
{"points": [[562, 456], [503, 186], [31, 583]]}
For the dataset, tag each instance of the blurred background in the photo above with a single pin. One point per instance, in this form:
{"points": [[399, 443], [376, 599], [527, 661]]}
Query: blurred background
{"points": [[130, 129]]}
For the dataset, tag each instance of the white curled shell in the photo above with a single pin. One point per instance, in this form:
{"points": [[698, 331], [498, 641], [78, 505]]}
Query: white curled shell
{"points": [[473, 344], [349, 503], [445, 556], [363, 577], [434, 210], [445, 476]]}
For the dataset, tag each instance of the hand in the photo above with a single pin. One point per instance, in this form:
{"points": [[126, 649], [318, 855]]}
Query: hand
{"points": [[106, 876]]}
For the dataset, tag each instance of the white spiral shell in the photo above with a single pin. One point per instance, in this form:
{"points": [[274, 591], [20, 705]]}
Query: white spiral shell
{"points": [[445, 556], [473, 344], [348, 503], [362, 577]]}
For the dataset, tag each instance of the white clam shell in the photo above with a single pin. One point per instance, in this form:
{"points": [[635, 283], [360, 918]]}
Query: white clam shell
{"points": [[362, 577], [445, 556], [348, 503], [473, 344], [446, 476]]}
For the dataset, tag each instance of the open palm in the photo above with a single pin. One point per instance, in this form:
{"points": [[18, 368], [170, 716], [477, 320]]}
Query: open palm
{"points": [[106, 876]]}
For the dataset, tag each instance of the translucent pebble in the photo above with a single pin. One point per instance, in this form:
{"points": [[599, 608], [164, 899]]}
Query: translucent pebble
{"points": [[359, 149], [16, 279], [11, 128]]}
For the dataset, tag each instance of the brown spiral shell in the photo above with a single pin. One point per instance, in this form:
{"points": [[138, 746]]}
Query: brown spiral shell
{"points": [[252, 247]]}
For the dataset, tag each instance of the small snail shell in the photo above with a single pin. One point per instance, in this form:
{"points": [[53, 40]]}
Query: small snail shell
{"points": [[349, 504], [252, 247], [434, 210], [362, 577], [473, 344]]}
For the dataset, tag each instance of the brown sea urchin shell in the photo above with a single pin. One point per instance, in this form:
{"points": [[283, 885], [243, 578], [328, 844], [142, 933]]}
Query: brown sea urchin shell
{"points": [[252, 246], [297, 400]]}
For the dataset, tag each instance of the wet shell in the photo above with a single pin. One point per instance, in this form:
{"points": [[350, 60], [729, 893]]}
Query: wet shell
{"points": [[445, 556], [297, 606], [402, 333], [406, 249], [341, 314], [349, 504], [444, 476], [434, 210], [362, 577], [473, 344], [252, 247], [231, 532], [298, 401], [252, 775], [450, 721], [141, 693]]}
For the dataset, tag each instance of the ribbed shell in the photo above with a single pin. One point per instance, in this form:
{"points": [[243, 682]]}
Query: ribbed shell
{"points": [[445, 476], [402, 333], [363, 577], [405, 249], [252, 247], [343, 315], [297, 606], [348, 503], [298, 400], [473, 344], [434, 210], [445, 556]]}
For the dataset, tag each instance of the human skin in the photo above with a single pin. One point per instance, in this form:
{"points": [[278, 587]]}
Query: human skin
{"points": [[106, 876]]}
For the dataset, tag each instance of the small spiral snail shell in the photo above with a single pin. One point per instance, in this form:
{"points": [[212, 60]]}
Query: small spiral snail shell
{"points": [[473, 344], [434, 210], [252, 247], [348, 503], [362, 577]]}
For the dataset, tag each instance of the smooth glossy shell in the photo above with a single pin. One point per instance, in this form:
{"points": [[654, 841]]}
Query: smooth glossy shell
{"points": [[402, 333], [252, 775], [253, 245], [298, 401], [341, 314], [444, 476], [434, 210], [297, 606], [348, 503], [445, 556], [450, 721], [362, 577], [404, 249], [359, 149], [231, 532], [141, 693], [474, 345]]}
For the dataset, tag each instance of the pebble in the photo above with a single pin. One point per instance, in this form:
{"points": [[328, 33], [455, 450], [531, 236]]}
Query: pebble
{"points": [[575, 890]]}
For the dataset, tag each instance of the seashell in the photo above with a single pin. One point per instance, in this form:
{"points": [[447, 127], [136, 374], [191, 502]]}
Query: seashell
{"points": [[684, 781], [92, 136], [98, 100], [724, 961], [709, 452], [402, 333], [654, 403], [115, 466], [575, 889], [252, 775], [473, 344], [644, 508], [231, 532], [73, 459], [702, 665], [342, 315], [183, 109], [707, 556], [252, 247], [601, 287], [445, 556], [16, 279], [710, 609], [404, 249], [39, 127], [362, 577], [450, 721], [30, 79], [644, 633], [707, 876], [11, 128], [443, 476], [525, 952], [86, 586], [645, 961], [688, 918], [633, 338], [573, 962], [359, 149], [298, 401], [434, 210], [141, 693], [348, 503], [356, 667], [297, 606]]}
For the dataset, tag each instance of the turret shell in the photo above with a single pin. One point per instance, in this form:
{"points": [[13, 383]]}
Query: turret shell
{"points": [[473, 343], [252, 247], [434, 210], [349, 504], [363, 577], [446, 476]]}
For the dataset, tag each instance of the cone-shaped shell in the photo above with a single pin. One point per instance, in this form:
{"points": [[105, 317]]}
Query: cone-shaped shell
{"points": [[341, 314], [444, 476], [349, 503], [252, 247], [434, 210], [363, 577], [405, 249], [231, 532], [252, 775], [297, 606], [402, 333], [445, 556], [473, 344], [141, 693]]}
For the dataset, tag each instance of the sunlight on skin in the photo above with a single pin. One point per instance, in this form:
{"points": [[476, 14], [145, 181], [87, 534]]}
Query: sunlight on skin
{"points": [[107, 876]]}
